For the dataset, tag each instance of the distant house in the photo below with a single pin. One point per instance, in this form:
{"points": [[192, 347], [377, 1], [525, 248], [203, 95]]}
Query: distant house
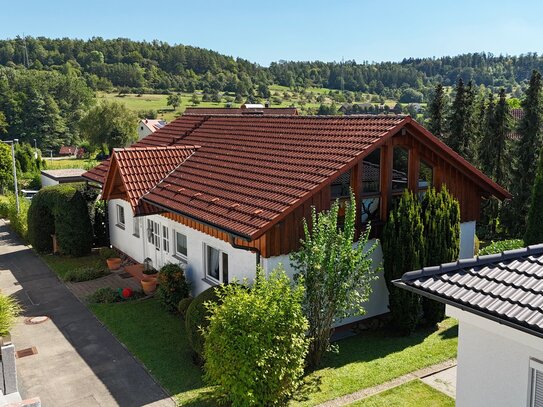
{"points": [[149, 126], [54, 177], [220, 194], [498, 300], [68, 151], [517, 114]]}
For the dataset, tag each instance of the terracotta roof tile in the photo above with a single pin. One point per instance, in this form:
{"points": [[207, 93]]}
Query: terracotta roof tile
{"points": [[141, 168], [289, 111]]}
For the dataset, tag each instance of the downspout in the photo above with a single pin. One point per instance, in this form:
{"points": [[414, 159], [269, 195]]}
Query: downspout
{"points": [[233, 243]]}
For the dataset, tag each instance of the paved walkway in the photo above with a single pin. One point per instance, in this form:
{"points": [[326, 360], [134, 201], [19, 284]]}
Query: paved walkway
{"points": [[114, 280], [444, 381], [78, 362], [362, 394]]}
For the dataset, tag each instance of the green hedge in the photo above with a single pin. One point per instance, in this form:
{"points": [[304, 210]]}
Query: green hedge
{"points": [[17, 221], [501, 246], [196, 319], [62, 210]]}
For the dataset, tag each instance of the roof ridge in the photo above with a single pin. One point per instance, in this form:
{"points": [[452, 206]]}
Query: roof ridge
{"points": [[170, 147], [474, 261]]}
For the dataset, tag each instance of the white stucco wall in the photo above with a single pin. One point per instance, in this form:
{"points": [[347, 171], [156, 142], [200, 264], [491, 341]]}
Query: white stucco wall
{"points": [[46, 181], [241, 263], [467, 239], [493, 362]]}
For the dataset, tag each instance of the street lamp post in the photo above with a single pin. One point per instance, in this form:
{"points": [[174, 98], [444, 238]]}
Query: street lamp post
{"points": [[12, 142]]}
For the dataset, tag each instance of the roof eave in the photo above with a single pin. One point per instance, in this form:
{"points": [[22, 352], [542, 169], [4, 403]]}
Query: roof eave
{"points": [[487, 315]]}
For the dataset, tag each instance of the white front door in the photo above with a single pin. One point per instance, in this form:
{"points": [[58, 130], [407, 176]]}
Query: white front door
{"points": [[154, 243]]}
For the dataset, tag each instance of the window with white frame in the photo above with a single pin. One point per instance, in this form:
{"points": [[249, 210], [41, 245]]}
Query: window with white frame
{"points": [[165, 239], [153, 233], [136, 227], [181, 245], [536, 383], [216, 264], [120, 216]]}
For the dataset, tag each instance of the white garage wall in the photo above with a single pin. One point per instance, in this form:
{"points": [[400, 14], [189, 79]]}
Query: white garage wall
{"points": [[46, 181], [493, 362]]}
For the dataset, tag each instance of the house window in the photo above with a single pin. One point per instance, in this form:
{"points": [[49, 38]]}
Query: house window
{"points": [[181, 245], [536, 383], [165, 239], [371, 187], [136, 227], [153, 233], [426, 175], [120, 216], [400, 169], [216, 264]]}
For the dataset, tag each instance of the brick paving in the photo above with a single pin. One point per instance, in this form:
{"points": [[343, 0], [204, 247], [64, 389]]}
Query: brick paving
{"points": [[114, 280]]}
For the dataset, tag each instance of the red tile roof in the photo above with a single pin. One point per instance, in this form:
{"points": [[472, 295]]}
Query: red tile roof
{"points": [[288, 111], [140, 169], [67, 150], [251, 171]]}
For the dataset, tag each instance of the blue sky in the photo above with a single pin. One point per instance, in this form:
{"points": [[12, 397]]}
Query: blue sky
{"points": [[270, 30]]}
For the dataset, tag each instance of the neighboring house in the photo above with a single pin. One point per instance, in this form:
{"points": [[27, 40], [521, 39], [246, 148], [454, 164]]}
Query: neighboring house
{"points": [[149, 126], [68, 150], [498, 300], [262, 110], [54, 177], [224, 193], [517, 114]]}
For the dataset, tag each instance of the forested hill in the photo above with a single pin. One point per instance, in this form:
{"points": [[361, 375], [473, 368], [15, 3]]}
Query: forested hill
{"points": [[159, 66]]}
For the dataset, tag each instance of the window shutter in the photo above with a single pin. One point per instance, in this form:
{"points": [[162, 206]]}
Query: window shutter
{"points": [[537, 384]]}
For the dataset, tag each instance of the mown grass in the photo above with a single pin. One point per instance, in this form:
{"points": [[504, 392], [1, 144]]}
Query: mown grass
{"points": [[159, 340], [412, 394], [61, 265]]}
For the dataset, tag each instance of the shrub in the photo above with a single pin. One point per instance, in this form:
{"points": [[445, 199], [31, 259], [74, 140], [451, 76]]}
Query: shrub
{"points": [[18, 221], [84, 274], [172, 286], [196, 319], [108, 253], [104, 295], [255, 345], [500, 246], [9, 311], [403, 251], [4, 206], [184, 305], [62, 210]]}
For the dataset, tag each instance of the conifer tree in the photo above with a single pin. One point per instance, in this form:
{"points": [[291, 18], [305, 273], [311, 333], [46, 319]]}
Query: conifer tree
{"points": [[403, 251], [441, 219], [436, 121], [500, 144], [526, 153], [488, 126], [534, 228], [461, 129]]}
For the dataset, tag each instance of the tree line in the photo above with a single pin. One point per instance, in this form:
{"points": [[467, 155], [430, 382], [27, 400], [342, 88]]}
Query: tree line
{"points": [[477, 123]]}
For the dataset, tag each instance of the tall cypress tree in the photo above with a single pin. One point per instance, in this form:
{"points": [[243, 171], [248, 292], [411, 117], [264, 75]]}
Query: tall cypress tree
{"points": [[534, 228], [441, 220], [487, 128], [436, 121], [461, 128], [403, 251], [501, 144], [525, 154]]}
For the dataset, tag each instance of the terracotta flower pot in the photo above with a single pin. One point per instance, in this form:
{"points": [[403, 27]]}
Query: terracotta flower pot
{"points": [[149, 285], [114, 263]]}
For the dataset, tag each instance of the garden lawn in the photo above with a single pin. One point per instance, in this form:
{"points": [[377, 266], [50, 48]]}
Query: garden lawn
{"points": [[62, 264], [412, 394], [159, 341], [373, 358]]}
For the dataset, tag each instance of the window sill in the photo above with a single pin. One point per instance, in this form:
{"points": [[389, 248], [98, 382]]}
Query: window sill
{"points": [[180, 258], [120, 226], [212, 283]]}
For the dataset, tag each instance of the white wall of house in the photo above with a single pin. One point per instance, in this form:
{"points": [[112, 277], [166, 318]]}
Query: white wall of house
{"points": [[241, 263], [46, 181], [493, 362], [143, 130], [467, 239]]}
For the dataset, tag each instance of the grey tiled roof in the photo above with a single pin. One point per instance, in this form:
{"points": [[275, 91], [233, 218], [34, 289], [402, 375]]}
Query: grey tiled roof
{"points": [[505, 287]]}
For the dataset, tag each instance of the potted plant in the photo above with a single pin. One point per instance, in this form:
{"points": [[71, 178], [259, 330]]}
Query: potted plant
{"points": [[149, 285], [110, 256], [148, 269]]}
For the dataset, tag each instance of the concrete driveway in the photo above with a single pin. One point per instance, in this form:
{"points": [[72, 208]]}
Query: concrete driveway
{"points": [[78, 362]]}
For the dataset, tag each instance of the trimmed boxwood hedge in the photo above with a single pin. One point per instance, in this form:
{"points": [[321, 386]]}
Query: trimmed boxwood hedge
{"points": [[61, 210], [196, 319]]}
